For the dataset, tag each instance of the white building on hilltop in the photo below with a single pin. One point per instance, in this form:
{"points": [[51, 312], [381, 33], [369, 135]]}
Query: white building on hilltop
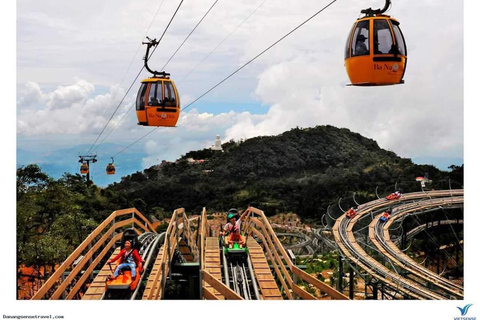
{"points": [[218, 144]]}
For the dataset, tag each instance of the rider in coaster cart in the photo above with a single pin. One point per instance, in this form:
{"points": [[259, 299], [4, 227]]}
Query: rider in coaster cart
{"points": [[232, 229], [350, 213], [395, 195], [386, 214], [128, 257]]}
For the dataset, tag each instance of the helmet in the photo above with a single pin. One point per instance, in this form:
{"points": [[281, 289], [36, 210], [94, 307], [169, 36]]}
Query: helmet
{"points": [[233, 211], [230, 216]]}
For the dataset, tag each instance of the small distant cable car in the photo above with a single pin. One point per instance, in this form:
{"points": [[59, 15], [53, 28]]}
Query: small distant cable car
{"points": [[84, 168], [375, 52], [111, 168], [158, 102]]}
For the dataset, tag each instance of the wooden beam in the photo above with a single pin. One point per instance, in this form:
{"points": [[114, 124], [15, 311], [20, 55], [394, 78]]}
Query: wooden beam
{"points": [[302, 293], [208, 295], [78, 267], [86, 274], [220, 287], [319, 284]]}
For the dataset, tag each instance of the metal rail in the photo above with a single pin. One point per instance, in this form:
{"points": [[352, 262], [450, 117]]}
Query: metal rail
{"points": [[345, 239]]}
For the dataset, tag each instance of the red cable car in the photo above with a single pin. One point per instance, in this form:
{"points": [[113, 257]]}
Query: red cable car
{"points": [[375, 52], [158, 102]]}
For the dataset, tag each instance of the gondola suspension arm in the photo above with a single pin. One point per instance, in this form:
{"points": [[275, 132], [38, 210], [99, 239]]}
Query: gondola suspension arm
{"points": [[152, 43], [371, 12]]}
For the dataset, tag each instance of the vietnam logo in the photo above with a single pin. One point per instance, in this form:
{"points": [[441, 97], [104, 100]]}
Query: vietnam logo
{"points": [[464, 310]]}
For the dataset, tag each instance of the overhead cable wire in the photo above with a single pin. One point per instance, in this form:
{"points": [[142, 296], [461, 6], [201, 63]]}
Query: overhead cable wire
{"points": [[191, 32], [135, 142], [129, 66], [134, 81], [258, 55], [163, 68], [243, 66], [221, 42], [116, 125]]}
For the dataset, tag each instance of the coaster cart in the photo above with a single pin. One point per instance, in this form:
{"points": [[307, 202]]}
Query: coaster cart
{"points": [[350, 213], [394, 196], [122, 286]]}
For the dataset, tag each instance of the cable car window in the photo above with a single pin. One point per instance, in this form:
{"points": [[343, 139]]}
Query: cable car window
{"points": [[155, 95], [402, 49], [169, 94], [382, 37], [140, 105], [347, 45], [360, 41]]}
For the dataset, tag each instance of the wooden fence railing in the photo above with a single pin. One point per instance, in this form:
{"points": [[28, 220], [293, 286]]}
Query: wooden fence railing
{"points": [[256, 224], [206, 277], [179, 227], [55, 287], [286, 271]]}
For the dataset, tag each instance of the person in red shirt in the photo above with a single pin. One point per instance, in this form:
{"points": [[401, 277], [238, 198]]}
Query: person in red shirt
{"points": [[232, 228], [235, 236], [129, 257]]}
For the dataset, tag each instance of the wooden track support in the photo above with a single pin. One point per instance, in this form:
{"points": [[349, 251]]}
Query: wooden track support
{"points": [[152, 285], [97, 288], [266, 283], [212, 266]]}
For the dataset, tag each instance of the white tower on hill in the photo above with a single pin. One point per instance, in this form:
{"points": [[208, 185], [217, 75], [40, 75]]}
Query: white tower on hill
{"points": [[218, 144]]}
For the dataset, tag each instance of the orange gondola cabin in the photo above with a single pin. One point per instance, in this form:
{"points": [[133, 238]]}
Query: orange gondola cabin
{"points": [[375, 52], [110, 168], [84, 168], [158, 102]]}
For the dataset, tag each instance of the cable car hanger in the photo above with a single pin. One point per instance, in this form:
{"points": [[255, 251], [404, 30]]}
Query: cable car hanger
{"points": [[153, 43], [370, 12]]}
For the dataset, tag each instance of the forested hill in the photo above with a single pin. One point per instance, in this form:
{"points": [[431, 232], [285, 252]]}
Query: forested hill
{"points": [[301, 170]]}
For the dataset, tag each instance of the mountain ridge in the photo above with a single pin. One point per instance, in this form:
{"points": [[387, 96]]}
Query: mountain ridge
{"points": [[302, 170]]}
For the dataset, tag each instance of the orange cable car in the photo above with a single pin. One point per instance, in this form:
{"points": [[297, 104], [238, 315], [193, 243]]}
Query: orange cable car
{"points": [[375, 52], [84, 168], [158, 102], [110, 168]]}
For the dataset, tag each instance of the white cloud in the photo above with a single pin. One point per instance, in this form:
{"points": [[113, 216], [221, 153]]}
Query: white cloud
{"points": [[66, 97], [30, 94], [66, 110]]}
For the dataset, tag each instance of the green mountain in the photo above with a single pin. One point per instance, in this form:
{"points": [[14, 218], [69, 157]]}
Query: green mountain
{"points": [[301, 170]]}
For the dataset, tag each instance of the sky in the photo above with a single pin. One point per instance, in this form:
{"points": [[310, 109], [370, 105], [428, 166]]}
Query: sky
{"points": [[77, 61], [74, 61]]}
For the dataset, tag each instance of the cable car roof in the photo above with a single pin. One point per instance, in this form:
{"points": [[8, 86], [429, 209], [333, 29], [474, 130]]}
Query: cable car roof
{"points": [[155, 79]]}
